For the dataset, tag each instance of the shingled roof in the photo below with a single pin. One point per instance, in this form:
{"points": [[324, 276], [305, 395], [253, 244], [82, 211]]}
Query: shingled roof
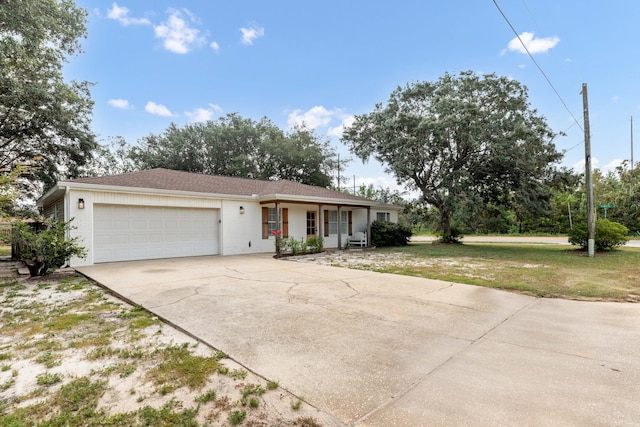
{"points": [[172, 180]]}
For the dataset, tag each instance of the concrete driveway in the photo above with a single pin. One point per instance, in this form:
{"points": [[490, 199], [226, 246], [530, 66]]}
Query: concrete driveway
{"points": [[386, 350]]}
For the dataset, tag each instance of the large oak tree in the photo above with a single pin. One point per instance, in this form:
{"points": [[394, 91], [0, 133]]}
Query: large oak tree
{"points": [[44, 120], [462, 138]]}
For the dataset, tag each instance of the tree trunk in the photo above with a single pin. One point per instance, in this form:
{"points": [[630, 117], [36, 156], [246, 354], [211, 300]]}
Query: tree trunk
{"points": [[445, 225], [35, 267]]}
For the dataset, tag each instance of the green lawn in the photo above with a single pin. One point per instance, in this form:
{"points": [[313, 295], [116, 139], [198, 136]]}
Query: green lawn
{"points": [[539, 269]]}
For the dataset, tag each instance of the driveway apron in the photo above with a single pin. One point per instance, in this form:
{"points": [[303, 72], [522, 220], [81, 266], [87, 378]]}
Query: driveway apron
{"points": [[376, 349]]}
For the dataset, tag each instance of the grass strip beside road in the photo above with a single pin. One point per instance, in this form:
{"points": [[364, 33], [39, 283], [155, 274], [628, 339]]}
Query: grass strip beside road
{"points": [[541, 270]]}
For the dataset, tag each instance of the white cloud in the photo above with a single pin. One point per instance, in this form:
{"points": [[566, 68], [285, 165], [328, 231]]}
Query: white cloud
{"points": [[615, 98], [314, 118], [215, 46], [157, 109], [203, 114], [319, 117], [120, 103], [613, 164], [579, 166], [249, 35], [338, 130], [534, 45], [121, 14], [177, 33]]}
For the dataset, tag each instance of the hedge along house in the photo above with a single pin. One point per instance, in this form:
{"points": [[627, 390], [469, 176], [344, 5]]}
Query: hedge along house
{"points": [[161, 213]]}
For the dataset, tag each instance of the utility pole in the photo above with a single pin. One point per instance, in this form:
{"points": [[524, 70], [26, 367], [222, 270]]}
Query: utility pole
{"points": [[632, 143], [591, 220]]}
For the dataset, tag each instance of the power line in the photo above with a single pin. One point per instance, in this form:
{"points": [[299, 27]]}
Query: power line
{"points": [[524, 3], [574, 146], [537, 65]]}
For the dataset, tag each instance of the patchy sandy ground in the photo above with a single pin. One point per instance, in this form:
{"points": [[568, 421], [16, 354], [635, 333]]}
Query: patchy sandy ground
{"points": [[58, 329], [390, 261]]}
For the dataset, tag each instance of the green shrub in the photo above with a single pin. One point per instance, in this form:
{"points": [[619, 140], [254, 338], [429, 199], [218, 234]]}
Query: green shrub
{"points": [[294, 245], [609, 234], [389, 234], [47, 250], [315, 244]]}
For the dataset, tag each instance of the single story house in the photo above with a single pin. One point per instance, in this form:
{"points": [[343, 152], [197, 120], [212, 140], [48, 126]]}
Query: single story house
{"points": [[161, 213]]}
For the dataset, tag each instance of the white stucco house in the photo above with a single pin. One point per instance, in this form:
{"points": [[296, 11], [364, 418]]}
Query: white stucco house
{"points": [[161, 213]]}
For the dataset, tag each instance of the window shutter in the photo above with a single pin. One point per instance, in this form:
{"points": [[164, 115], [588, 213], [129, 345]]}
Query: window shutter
{"points": [[285, 222], [326, 222], [350, 231], [265, 223]]}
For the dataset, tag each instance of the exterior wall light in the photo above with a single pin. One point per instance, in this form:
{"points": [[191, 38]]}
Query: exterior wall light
{"points": [[80, 203], [241, 210]]}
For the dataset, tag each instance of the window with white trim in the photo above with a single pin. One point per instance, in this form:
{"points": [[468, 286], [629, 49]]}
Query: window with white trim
{"points": [[272, 221], [333, 222], [383, 216], [343, 222]]}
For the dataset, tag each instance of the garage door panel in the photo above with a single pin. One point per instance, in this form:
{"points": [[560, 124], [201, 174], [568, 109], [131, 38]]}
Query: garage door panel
{"points": [[124, 233]]}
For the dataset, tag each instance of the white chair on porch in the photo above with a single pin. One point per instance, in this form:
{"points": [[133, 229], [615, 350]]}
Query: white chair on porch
{"points": [[359, 238]]}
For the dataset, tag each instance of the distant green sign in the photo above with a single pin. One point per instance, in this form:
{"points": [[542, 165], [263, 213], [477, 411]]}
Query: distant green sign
{"points": [[605, 207]]}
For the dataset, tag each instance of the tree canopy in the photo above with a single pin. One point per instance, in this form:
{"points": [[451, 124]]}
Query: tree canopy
{"points": [[463, 139], [44, 120], [621, 189], [236, 146]]}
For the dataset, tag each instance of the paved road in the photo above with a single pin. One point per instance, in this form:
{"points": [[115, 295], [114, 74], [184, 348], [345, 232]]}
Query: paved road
{"points": [[372, 349], [635, 243]]}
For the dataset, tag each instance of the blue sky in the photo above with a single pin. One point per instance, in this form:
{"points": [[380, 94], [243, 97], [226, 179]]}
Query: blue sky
{"points": [[154, 63]]}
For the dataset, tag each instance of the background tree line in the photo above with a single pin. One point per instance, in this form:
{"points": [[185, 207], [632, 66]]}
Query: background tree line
{"points": [[567, 206], [231, 146]]}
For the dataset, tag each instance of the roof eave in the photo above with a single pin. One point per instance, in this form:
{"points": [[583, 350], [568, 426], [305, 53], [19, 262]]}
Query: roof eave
{"points": [[52, 193], [265, 198], [154, 191]]}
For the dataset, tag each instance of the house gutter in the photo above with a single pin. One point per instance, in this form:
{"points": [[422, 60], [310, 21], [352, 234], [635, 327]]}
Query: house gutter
{"points": [[152, 191], [272, 198]]}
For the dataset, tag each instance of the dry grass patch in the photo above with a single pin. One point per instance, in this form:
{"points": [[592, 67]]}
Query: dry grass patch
{"points": [[73, 355], [541, 270]]}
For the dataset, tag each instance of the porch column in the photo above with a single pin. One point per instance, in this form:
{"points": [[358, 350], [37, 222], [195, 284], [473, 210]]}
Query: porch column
{"points": [[278, 219], [339, 228], [368, 226], [320, 222]]}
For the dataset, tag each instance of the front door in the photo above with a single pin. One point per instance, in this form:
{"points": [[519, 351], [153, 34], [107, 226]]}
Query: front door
{"points": [[311, 224]]}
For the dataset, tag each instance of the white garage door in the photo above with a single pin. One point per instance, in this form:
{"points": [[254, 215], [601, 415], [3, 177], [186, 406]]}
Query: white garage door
{"points": [[124, 233]]}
